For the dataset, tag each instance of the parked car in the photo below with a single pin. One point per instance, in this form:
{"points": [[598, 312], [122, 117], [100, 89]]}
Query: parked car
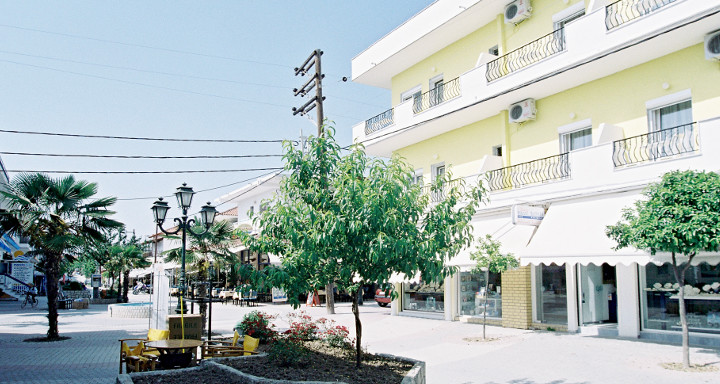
{"points": [[382, 298]]}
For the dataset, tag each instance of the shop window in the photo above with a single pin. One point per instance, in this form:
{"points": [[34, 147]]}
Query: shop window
{"points": [[472, 294], [424, 297], [551, 294], [660, 303]]}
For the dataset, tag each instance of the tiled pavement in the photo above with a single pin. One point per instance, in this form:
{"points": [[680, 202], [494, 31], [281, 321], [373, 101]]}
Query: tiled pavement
{"points": [[518, 357]]}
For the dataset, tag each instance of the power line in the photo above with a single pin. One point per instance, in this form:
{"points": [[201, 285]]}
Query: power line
{"points": [[138, 156], [143, 172], [139, 138], [144, 46]]}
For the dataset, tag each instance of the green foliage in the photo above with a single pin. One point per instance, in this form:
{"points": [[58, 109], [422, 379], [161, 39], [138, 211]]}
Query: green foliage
{"points": [[488, 257], [73, 286], [288, 352], [680, 214], [258, 324]]}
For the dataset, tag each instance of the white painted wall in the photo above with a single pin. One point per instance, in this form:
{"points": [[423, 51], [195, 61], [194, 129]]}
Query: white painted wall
{"points": [[628, 300]]}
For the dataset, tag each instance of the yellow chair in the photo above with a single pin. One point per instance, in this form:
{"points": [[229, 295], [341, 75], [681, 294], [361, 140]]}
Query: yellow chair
{"points": [[136, 356], [230, 348]]}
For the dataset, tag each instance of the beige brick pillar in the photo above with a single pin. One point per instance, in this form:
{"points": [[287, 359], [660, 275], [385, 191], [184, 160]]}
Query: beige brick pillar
{"points": [[517, 298]]}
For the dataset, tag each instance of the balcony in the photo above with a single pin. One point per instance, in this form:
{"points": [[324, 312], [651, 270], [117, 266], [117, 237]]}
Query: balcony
{"points": [[526, 55], [533, 172], [380, 121], [441, 193], [620, 12], [436, 96], [656, 145]]}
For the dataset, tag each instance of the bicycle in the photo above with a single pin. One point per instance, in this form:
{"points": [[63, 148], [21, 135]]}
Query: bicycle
{"points": [[29, 298]]}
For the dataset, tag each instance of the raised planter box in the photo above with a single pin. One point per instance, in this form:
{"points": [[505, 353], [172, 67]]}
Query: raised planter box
{"points": [[416, 375], [84, 294]]}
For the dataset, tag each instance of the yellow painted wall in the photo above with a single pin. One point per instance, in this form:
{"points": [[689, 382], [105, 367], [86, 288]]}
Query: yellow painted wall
{"points": [[461, 150], [537, 25], [618, 99]]}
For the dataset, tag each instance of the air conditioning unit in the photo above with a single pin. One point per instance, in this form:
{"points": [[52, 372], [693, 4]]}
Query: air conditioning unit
{"points": [[517, 11], [712, 46], [522, 111]]}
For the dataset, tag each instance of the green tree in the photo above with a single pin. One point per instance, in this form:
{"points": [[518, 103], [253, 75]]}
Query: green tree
{"points": [[352, 220], [489, 258], [57, 215], [679, 215], [213, 245]]}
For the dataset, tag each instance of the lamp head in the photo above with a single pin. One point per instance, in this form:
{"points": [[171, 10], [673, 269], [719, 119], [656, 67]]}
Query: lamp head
{"points": [[207, 214], [184, 196], [160, 209]]}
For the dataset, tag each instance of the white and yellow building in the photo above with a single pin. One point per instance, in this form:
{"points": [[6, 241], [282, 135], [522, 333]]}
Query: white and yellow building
{"points": [[566, 110]]}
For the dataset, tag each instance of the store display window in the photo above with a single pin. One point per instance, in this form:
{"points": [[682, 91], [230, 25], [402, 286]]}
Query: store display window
{"points": [[660, 301], [472, 294], [551, 291], [424, 297]]}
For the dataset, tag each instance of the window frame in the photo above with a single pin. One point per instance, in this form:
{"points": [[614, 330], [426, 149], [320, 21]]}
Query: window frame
{"points": [[566, 130]]}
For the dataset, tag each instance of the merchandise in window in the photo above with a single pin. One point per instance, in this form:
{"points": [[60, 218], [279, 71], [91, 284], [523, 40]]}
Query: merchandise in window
{"points": [[472, 294], [702, 298], [424, 297]]}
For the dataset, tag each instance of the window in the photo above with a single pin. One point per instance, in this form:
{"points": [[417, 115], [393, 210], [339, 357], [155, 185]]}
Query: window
{"points": [[436, 90], [551, 294], [472, 295], [575, 140], [438, 171], [568, 15], [415, 95], [494, 51], [417, 177], [670, 116], [424, 297], [497, 150], [670, 124]]}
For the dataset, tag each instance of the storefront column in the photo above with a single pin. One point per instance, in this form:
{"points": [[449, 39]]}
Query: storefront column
{"points": [[450, 297], [395, 305], [628, 300], [572, 297]]}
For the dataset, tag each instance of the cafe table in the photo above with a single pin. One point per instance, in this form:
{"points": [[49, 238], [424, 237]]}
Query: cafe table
{"points": [[175, 353]]}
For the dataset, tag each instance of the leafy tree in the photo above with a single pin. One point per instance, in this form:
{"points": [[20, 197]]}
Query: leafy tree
{"points": [[679, 215], [352, 220], [213, 245], [57, 215], [489, 259]]}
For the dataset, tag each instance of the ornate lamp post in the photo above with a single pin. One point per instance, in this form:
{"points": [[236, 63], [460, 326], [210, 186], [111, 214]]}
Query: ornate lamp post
{"points": [[160, 208]]}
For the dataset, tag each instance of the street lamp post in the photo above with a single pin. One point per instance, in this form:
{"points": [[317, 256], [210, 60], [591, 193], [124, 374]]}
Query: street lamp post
{"points": [[160, 208]]}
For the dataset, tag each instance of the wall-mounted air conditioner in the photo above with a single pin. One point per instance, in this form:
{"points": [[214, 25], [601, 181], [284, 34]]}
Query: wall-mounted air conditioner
{"points": [[712, 46], [517, 11], [522, 111]]}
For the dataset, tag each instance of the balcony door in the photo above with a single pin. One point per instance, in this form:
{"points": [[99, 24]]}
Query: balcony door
{"points": [[436, 90]]}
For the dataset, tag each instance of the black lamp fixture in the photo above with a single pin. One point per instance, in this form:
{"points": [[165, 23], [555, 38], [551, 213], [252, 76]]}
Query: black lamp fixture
{"points": [[160, 208]]}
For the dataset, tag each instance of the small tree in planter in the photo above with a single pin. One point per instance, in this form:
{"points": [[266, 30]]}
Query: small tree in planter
{"points": [[353, 220], [490, 259], [681, 216]]}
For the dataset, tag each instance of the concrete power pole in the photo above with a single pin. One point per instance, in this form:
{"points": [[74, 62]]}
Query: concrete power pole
{"points": [[316, 102]]}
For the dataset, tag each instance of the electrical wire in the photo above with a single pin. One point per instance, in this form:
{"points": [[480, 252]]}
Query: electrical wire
{"points": [[139, 138], [138, 156], [143, 172]]}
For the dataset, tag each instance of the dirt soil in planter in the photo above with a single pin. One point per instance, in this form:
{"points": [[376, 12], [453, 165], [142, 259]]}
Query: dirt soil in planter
{"points": [[326, 363], [205, 375]]}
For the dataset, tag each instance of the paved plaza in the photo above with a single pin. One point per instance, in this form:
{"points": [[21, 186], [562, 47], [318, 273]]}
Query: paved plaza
{"points": [[517, 356]]}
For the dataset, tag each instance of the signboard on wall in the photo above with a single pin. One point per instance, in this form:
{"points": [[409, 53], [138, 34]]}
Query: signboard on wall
{"points": [[527, 215], [23, 272], [278, 295]]}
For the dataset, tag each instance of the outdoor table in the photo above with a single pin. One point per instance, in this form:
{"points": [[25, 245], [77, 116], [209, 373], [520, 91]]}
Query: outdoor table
{"points": [[175, 352]]}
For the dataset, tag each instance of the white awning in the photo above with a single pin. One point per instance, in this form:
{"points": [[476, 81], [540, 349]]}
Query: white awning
{"points": [[512, 238], [573, 232], [141, 272]]}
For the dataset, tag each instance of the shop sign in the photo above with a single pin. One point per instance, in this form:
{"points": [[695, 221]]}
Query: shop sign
{"points": [[527, 215], [23, 272], [96, 280], [278, 295]]}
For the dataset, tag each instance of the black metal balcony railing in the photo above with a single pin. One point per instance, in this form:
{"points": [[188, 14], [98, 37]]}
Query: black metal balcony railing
{"points": [[537, 171], [442, 92], [526, 55], [620, 12], [656, 145], [440, 194], [380, 121]]}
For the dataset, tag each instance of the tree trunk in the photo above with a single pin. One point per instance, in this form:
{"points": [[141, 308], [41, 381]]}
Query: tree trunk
{"points": [[487, 277], [330, 298], [680, 278], [52, 273], [358, 329], [202, 294], [126, 286]]}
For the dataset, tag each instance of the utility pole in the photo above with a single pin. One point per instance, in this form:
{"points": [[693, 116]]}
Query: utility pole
{"points": [[316, 102]]}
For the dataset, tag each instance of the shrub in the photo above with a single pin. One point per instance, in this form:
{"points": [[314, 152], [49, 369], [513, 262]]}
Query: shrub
{"points": [[73, 286], [258, 324], [302, 326], [337, 336], [288, 352]]}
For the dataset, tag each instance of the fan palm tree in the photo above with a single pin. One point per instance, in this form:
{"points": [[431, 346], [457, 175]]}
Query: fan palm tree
{"points": [[213, 245], [58, 215]]}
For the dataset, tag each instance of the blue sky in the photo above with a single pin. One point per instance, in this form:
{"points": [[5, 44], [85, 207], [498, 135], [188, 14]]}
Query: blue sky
{"points": [[184, 69]]}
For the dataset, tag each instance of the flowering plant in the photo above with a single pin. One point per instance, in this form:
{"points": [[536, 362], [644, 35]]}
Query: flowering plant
{"points": [[302, 326], [258, 324]]}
